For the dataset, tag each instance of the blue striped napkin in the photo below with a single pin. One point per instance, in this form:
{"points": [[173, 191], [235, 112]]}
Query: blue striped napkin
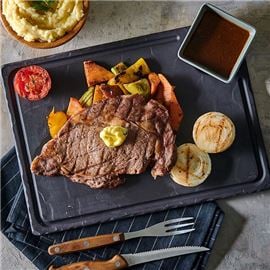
{"points": [[15, 226]]}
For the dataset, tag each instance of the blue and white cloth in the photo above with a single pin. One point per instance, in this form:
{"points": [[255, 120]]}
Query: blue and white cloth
{"points": [[15, 226]]}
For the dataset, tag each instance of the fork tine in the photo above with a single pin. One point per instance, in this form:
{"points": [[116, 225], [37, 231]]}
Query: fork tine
{"points": [[168, 228], [180, 232], [171, 221]]}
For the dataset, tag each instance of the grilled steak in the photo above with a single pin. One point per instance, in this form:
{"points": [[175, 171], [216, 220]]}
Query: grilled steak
{"points": [[79, 154]]}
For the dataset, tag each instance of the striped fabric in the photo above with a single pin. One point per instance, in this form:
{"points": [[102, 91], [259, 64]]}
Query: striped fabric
{"points": [[15, 226]]}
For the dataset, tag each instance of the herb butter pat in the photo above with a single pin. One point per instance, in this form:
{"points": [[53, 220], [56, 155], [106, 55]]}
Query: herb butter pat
{"points": [[113, 136]]}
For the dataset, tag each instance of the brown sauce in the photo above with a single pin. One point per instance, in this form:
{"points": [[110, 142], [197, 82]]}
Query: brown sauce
{"points": [[216, 44]]}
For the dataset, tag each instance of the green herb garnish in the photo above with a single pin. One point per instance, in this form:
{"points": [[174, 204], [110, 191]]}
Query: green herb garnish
{"points": [[43, 5]]}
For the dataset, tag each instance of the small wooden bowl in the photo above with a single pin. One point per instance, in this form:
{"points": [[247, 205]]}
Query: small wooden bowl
{"points": [[47, 45]]}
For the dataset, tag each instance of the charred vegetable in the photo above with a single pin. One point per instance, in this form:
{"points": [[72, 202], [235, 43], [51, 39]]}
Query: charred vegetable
{"points": [[98, 94], [74, 106], [87, 98], [120, 67], [124, 90], [121, 86], [110, 91], [56, 121], [154, 82], [132, 73], [166, 96], [96, 74], [141, 87], [104, 91], [32, 82]]}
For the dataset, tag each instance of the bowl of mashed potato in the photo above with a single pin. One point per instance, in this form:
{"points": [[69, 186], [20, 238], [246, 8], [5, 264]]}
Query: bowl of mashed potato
{"points": [[44, 23]]}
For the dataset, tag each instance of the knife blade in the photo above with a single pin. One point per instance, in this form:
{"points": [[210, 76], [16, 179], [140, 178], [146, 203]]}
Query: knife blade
{"points": [[155, 255], [123, 261]]}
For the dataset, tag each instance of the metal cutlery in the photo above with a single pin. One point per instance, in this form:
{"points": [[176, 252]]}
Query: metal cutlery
{"points": [[166, 228], [123, 261]]}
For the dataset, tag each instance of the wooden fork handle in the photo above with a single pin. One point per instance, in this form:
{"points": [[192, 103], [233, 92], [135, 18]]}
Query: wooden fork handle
{"points": [[86, 243], [116, 263]]}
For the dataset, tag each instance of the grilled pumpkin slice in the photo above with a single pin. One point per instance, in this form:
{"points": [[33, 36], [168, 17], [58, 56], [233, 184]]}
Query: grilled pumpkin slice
{"points": [[96, 74], [74, 106]]}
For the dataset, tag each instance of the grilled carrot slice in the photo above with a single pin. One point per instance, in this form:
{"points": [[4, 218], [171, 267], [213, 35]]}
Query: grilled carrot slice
{"points": [[154, 82], [171, 102]]}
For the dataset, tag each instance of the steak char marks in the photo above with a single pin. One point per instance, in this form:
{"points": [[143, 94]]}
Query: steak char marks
{"points": [[79, 154]]}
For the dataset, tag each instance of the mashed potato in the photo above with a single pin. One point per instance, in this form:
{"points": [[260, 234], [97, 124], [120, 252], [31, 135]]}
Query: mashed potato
{"points": [[48, 26]]}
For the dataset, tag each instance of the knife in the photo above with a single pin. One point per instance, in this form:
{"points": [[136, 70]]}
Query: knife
{"points": [[123, 261]]}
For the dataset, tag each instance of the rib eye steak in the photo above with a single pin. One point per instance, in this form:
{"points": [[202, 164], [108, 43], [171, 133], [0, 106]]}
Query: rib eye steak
{"points": [[79, 154]]}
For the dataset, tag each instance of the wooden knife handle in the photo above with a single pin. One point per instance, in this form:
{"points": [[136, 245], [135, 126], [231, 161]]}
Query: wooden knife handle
{"points": [[86, 243], [116, 263]]}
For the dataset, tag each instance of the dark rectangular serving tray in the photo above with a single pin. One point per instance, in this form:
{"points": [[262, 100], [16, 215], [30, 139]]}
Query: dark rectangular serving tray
{"points": [[55, 203]]}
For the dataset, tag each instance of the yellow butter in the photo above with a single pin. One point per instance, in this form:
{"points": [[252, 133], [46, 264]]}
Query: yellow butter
{"points": [[113, 136]]}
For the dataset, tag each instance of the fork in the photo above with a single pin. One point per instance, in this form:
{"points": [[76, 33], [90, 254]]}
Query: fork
{"points": [[165, 228]]}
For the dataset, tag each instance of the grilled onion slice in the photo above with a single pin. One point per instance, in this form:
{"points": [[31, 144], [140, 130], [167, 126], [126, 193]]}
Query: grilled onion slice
{"points": [[192, 167], [213, 132]]}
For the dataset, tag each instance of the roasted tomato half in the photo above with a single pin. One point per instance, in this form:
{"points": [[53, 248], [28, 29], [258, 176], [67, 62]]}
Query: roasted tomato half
{"points": [[32, 82]]}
